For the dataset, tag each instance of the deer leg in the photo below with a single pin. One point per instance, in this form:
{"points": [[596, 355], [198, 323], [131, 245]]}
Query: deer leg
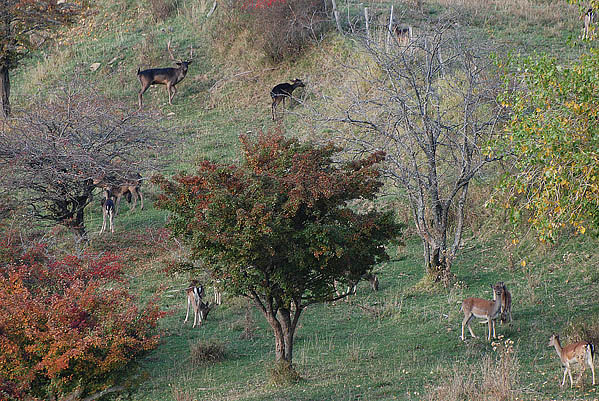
{"points": [[188, 306], [134, 196], [466, 322], [141, 198], [110, 217], [564, 379], [103, 220], [143, 89], [117, 204]]}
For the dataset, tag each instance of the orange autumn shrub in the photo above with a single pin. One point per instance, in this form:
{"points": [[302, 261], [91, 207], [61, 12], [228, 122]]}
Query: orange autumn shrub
{"points": [[67, 324]]}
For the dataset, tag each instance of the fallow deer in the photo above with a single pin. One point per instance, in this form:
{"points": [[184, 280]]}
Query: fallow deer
{"points": [[195, 292], [352, 289], [482, 309], [107, 212], [581, 352], [164, 76], [282, 91], [588, 18], [117, 188], [506, 302], [403, 34]]}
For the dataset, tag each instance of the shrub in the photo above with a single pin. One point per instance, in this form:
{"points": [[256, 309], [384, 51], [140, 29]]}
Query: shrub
{"points": [[66, 325], [283, 29], [161, 9], [207, 351]]}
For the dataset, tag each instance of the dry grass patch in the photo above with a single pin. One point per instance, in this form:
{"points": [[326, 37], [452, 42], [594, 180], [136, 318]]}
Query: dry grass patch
{"points": [[494, 378]]}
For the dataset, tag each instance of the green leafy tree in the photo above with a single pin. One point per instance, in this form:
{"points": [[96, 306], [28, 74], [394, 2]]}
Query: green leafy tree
{"points": [[553, 136], [277, 228], [19, 19]]}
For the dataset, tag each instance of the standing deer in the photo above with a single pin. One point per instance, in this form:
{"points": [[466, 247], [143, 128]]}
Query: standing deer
{"points": [[506, 302], [588, 18], [353, 289], [282, 91], [164, 76], [581, 352], [130, 187], [107, 211], [195, 292], [403, 34], [482, 309]]}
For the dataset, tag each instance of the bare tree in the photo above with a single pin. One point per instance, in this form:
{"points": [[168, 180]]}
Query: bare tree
{"points": [[51, 153], [19, 19], [429, 105]]}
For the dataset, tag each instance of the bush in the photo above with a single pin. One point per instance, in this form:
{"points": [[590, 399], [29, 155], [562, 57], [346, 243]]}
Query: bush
{"points": [[283, 29], [161, 9], [206, 351], [66, 325]]}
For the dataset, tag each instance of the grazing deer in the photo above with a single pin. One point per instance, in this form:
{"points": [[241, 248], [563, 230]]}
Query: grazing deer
{"points": [[581, 352], [352, 289], [482, 309], [107, 211], [588, 18], [195, 292], [164, 76], [282, 91], [131, 188]]}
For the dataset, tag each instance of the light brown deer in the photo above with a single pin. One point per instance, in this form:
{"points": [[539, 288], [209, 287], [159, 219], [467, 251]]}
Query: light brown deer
{"points": [[588, 18], [581, 352], [482, 309], [195, 292], [164, 76]]}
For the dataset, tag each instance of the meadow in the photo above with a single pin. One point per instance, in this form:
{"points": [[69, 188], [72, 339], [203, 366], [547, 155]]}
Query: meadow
{"points": [[401, 342]]}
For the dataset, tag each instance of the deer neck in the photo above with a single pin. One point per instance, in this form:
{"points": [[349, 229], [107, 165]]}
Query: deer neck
{"points": [[496, 307], [558, 347]]}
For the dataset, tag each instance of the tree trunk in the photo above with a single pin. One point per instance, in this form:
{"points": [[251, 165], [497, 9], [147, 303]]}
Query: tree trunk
{"points": [[5, 91]]}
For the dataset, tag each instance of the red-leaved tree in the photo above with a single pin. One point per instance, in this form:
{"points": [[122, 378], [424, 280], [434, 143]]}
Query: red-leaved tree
{"points": [[63, 330], [278, 228]]}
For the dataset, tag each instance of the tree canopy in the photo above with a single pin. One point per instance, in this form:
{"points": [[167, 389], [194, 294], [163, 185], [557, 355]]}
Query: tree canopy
{"points": [[553, 135], [51, 152], [19, 20], [277, 228]]}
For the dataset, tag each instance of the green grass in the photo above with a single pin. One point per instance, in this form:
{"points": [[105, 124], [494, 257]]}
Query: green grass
{"points": [[342, 351]]}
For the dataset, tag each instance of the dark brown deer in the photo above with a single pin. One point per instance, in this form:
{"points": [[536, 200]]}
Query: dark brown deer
{"points": [[282, 91], [164, 76]]}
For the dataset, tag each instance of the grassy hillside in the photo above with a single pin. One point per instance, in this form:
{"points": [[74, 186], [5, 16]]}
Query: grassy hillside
{"points": [[399, 343]]}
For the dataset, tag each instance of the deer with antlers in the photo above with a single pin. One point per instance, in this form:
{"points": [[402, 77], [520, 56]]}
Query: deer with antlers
{"points": [[164, 76]]}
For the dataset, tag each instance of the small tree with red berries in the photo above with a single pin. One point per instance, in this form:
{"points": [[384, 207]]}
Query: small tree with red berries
{"points": [[68, 330], [278, 229]]}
